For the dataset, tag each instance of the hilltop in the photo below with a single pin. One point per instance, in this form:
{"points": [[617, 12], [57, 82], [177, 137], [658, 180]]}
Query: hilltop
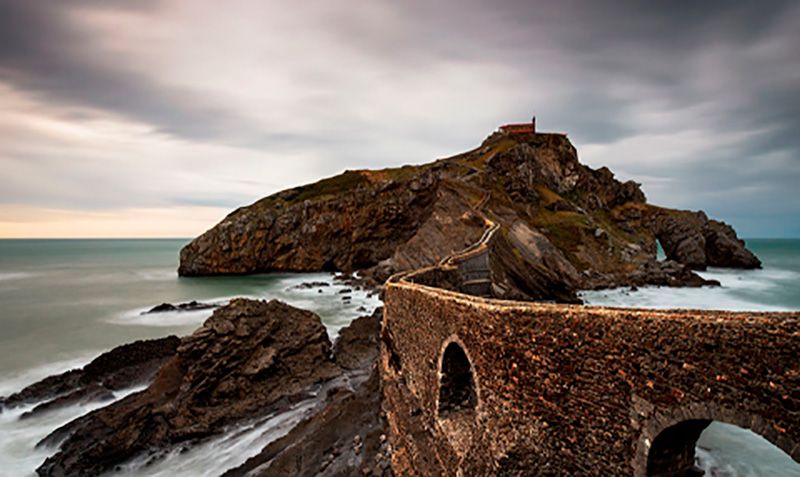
{"points": [[562, 226]]}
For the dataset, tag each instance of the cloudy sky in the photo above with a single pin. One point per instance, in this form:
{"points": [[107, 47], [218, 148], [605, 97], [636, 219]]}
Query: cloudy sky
{"points": [[157, 117]]}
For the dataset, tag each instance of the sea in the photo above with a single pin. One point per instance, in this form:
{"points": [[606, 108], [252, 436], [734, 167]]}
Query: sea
{"points": [[63, 302]]}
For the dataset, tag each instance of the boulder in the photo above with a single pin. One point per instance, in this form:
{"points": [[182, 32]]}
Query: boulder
{"points": [[250, 358]]}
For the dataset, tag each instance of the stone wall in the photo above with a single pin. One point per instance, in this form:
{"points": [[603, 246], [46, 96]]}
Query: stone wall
{"points": [[573, 390]]}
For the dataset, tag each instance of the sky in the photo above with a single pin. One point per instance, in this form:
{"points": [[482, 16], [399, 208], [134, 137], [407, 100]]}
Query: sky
{"points": [[155, 118]]}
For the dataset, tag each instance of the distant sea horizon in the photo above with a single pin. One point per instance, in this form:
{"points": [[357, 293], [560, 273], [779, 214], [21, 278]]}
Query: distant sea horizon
{"points": [[193, 237]]}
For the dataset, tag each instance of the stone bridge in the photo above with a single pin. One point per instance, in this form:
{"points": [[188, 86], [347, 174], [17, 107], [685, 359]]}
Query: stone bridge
{"points": [[476, 386]]}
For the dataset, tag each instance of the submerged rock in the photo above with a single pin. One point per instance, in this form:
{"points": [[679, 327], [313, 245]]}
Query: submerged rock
{"points": [[346, 437], [308, 285], [189, 306]]}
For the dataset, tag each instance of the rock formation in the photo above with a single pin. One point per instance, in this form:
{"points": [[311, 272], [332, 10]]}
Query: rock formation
{"points": [[188, 306], [123, 367], [348, 435], [582, 227], [249, 359]]}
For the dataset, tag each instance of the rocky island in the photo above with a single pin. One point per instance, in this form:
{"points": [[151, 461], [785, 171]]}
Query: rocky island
{"points": [[562, 226], [549, 227]]}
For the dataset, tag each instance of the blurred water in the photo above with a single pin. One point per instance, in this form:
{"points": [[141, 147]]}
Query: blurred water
{"points": [[62, 302], [65, 299]]}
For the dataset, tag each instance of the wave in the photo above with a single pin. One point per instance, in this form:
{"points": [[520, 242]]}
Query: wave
{"points": [[14, 382], [216, 456], [158, 274], [138, 317], [676, 298], [330, 305], [18, 452], [740, 290], [11, 276], [725, 450]]}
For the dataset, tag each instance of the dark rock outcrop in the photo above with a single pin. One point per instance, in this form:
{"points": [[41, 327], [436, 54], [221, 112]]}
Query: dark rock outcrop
{"points": [[692, 239], [383, 222], [188, 306], [123, 367], [527, 266], [248, 359], [346, 436], [667, 273], [357, 344]]}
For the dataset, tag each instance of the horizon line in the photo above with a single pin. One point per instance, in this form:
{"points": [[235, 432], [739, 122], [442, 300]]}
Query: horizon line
{"points": [[193, 237]]}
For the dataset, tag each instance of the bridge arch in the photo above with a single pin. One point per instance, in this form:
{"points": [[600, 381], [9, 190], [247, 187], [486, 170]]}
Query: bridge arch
{"points": [[668, 441], [458, 386]]}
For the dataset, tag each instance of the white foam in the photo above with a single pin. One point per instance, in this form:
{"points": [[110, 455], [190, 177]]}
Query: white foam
{"points": [[216, 456], [19, 455], [14, 382], [9, 276], [705, 298], [740, 290], [335, 312], [138, 317], [158, 274]]}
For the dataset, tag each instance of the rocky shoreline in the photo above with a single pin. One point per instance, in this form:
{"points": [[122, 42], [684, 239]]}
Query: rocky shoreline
{"points": [[123, 367], [250, 359]]}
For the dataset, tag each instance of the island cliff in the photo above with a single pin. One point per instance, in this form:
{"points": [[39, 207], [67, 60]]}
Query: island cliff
{"points": [[562, 226]]}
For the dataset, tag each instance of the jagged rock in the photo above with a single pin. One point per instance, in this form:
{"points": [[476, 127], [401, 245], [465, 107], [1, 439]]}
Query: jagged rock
{"points": [[692, 239], [248, 359], [347, 435], [123, 367], [357, 345], [668, 273], [526, 266]]}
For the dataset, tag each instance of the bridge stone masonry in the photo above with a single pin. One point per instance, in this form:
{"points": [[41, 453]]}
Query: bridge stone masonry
{"points": [[477, 386]]}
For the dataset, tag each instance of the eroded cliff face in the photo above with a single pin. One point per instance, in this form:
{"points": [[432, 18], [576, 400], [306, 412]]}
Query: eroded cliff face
{"points": [[598, 231]]}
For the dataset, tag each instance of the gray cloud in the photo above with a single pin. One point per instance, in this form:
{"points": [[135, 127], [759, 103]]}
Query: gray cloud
{"points": [[711, 87], [43, 53]]}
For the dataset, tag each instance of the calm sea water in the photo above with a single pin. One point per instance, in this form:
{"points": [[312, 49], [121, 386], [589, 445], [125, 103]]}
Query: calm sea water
{"points": [[62, 302]]}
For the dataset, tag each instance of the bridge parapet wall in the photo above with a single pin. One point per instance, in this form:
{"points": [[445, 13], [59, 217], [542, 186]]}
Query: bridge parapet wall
{"points": [[574, 390]]}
